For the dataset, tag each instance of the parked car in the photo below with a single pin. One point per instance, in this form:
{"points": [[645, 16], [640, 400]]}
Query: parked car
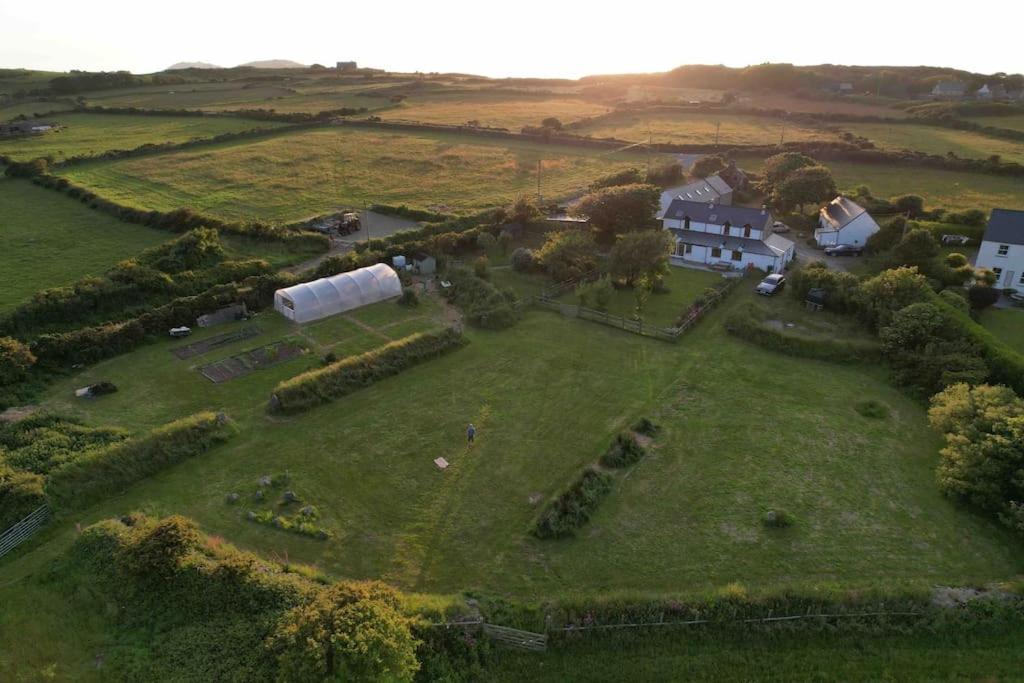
{"points": [[780, 227], [180, 331], [771, 285], [844, 250], [955, 240]]}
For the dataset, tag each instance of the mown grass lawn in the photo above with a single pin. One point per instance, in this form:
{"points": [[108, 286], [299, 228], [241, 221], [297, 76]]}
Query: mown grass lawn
{"points": [[937, 140], [50, 240], [1007, 324], [745, 430], [97, 133], [295, 175], [945, 189], [699, 128]]}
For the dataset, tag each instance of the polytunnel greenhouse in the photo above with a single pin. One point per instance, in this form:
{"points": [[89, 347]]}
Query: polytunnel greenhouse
{"points": [[336, 294]]}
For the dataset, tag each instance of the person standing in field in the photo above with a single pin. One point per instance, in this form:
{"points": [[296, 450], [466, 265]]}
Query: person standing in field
{"points": [[470, 435]]}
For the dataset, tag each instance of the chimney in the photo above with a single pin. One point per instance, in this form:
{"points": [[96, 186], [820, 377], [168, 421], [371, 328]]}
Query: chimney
{"points": [[764, 209]]}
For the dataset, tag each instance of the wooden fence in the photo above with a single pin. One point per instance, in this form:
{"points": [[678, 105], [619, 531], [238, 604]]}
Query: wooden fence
{"points": [[548, 299], [23, 530]]}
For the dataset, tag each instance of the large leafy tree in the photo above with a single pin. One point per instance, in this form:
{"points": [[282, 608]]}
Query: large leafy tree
{"points": [[806, 185], [707, 165], [640, 256], [780, 166], [889, 291], [616, 210], [567, 254]]}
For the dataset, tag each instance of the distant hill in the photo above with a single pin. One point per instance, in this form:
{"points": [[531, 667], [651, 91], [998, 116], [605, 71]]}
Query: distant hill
{"points": [[275, 64], [192, 65]]}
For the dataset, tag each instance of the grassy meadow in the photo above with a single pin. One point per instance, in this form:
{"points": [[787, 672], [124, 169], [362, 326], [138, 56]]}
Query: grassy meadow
{"points": [[50, 240], [97, 133], [745, 430], [30, 109], [1014, 122], [936, 140], [699, 128], [295, 175], [940, 188], [492, 110], [1007, 324]]}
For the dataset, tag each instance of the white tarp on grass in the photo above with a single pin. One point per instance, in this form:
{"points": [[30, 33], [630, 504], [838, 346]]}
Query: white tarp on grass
{"points": [[336, 294]]}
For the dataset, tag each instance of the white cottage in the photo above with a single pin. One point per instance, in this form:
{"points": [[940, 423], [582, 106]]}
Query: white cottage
{"points": [[843, 221], [735, 236], [1002, 248]]}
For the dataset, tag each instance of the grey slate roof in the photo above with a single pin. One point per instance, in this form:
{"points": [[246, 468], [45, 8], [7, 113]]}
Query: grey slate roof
{"points": [[841, 211], [949, 87], [1005, 226], [705, 189], [710, 239], [702, 212], [779, 243], [718, 184]]}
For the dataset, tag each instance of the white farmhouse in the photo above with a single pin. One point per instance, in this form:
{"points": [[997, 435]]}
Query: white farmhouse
{"points": [[843, 221], [1002, 248], [733, 236]]}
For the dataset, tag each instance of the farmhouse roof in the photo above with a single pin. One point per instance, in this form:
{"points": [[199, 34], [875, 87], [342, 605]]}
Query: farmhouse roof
{"points": [[949, 87], [1005, 226], [841, 211], [778, 243], [715, 214], [748, 245], [704, 190]]}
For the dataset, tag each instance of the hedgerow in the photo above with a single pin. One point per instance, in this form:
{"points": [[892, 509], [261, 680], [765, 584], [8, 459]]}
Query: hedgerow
{"points": [[573, 507], [355, 372], [744, 324], [20, 493], [101, 473], [623, 452], [481, 302], [41, 443]]}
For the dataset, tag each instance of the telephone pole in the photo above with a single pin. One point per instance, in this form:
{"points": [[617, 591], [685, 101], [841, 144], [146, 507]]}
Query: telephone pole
{"points": [[718, 127], [782, 136], [539, 199]]}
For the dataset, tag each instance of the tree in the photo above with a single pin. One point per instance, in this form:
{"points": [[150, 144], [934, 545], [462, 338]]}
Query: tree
{"points": [[16, 360], [982, 296], [522, 260], [983, 459], [779, 167], [708, 165], [567, 254], [552, 122], [917, 248], [640, 255], [909, 204], [616, 210], [349, 631], [889, 291], [807, 185], [524, 211], [887, 237], [665, 175]]}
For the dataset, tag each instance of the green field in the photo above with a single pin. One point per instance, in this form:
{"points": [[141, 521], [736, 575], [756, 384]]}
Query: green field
{"points": [[292, 176], [937, 140], [745, 430], [700, 128], [946, 189], [1007, 324], [492, 110], [97, 133], [32, 108], [50, 240], [1015, 122]]}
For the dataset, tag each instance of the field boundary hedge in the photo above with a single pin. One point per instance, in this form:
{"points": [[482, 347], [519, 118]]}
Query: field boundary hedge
{"points": [[341, 378], [742, 324], [102, 473]]}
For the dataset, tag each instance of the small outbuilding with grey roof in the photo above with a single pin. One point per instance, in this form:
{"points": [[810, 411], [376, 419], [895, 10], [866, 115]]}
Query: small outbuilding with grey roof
{"points": [[1002, 248], [844, 221]]}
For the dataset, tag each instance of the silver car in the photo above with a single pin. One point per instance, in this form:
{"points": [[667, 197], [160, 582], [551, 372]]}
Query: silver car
{"points": [[771, 284]]}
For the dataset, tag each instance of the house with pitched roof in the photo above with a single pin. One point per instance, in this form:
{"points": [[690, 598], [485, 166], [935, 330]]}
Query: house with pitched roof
{"points": [[844, 221], [948, 90], [710, 189], [1002, 248], [736, 237]]}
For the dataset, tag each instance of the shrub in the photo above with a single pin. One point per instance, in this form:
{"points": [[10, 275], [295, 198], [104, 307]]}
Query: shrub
{"points": [[486, 241], [409, 298], [707, 165], [481, 302], [16, 359], [872, 409], [629, 176], [646, 427], [98, 474], [883, 295], [504, 242], [41, 442], [573, 508], [20, 494], [567, 255], [349, 374], [522, 260], [623, 452], [744, 324], [616, 210], [777, 519], [481, 268], [982, 296]]}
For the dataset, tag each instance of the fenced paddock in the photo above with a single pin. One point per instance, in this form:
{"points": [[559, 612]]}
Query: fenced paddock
{"points": [[23, 530]]}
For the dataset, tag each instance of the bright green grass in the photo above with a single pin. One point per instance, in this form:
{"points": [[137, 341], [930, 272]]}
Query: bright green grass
{"points": [[664, 308], [1015, 122], [699, 128], [50, 240], [97, 133], [951, 654], [946, 189], [33, 108], [295, 175], [744, 430], [1007, 324], [937, 140]]}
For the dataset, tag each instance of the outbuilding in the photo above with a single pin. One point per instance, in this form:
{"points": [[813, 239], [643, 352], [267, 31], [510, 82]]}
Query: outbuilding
{"points": [[843, 221], [328, 296]]}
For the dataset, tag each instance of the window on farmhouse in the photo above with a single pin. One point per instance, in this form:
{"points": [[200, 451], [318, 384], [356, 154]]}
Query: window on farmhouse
{"points": [[725, 228], [737, 255], [999, 273], [686, 223], [689, 249], [1004, 249], [746, 231], [1021, 280], [716, 253]]}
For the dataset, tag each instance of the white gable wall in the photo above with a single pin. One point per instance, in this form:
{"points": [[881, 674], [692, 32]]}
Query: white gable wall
{"points": [[855, 232], [1009, 268]]}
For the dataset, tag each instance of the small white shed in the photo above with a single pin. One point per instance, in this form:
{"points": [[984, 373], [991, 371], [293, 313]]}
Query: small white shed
{"points": [[336, 294]]}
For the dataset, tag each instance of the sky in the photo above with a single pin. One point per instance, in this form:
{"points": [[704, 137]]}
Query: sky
{"points": [[525, 38]]}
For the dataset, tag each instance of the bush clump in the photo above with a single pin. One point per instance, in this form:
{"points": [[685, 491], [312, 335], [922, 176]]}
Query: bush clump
{"points": [[872, 409], [573, 508], [349, 374], [646, 427], [623, 452], [409, 298], [482, 303], [777, 519], [522, 260]]}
